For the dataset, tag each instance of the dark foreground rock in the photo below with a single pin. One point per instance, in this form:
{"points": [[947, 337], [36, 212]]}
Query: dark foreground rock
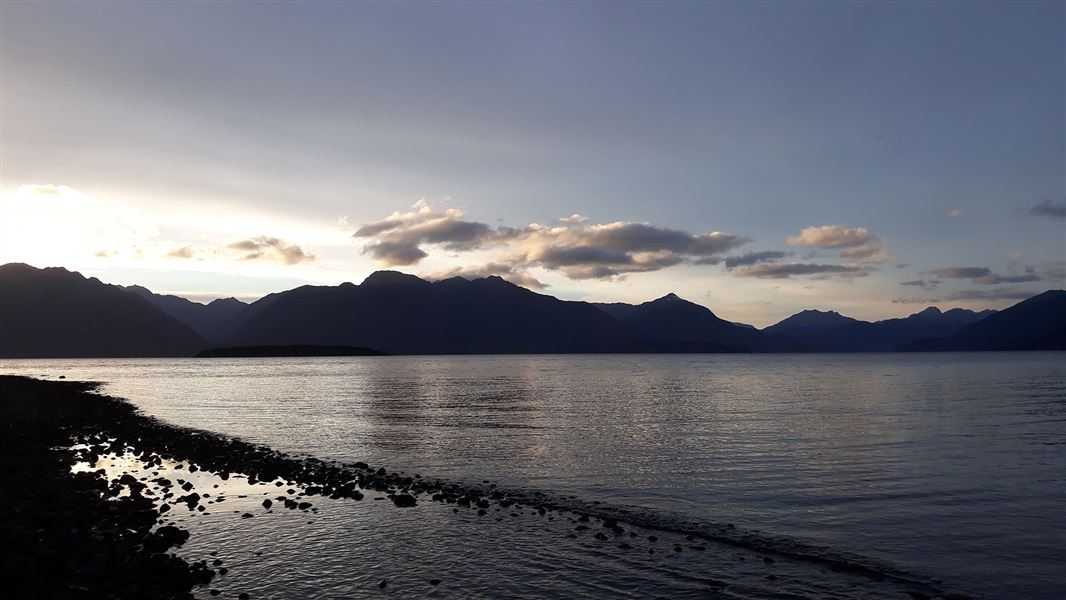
{"points": [[64, 536]]}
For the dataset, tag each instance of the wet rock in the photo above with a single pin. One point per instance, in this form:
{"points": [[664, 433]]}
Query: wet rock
{"points": [[247, 516], [267, 503], [243, 596], [434, 582], [383, 583], [404, 500]]}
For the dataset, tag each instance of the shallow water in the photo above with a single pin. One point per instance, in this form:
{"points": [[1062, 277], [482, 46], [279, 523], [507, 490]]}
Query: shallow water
{"points": [[946, 465]]}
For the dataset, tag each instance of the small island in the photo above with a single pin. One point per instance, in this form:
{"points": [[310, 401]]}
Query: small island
{"points": [[289, 350]]}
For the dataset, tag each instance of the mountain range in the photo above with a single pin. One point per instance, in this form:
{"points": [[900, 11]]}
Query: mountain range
{"points": [[54, 312]]}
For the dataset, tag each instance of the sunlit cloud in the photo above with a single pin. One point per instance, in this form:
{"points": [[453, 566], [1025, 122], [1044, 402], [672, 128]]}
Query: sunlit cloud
{"points": [[271, 248], [574, 218], [577, 250], [182, 252], [850, 242], [505, 271]]}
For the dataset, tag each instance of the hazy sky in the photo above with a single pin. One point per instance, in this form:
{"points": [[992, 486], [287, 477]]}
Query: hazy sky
{"points": [[757, 158]]}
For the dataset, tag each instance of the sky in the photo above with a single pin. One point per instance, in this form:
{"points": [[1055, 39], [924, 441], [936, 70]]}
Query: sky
{"points": [[756, 158]]}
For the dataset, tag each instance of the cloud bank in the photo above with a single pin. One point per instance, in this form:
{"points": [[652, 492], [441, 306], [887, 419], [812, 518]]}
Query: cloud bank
{"points": [[573, 248]]}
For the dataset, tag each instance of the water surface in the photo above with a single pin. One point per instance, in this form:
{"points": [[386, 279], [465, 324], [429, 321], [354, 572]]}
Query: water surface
{"points": [[946, 465]]}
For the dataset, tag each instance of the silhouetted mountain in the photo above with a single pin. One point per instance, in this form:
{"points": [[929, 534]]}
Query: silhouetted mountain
{"points": [[671, 319], [807, 321], [58, 313], [205, 319], [402, 314], [1038, 323], [832, 332], [55, 312]]}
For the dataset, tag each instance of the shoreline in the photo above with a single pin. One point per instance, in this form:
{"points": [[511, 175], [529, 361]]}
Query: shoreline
{"points": [[59, 412]]}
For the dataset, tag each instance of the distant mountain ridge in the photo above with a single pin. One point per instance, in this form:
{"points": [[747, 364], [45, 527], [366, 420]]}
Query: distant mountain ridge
{"points": [[55, 312], [59, 313], [205, 319], [829, 331], [1038, 323]]}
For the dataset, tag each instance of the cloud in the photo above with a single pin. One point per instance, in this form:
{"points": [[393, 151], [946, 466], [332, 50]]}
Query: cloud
{"points": [[574, 218], [914, 300], [46, 189], [994, 279], [851, 242], [270, 248], [983, 275], [957, 212], [922, 283], [961, 272], [1049, 209], [575, 249], [183, 252], [104, 253], [508, 272], [752, 258], [1004, 293], [819, 271], [397, 239]]}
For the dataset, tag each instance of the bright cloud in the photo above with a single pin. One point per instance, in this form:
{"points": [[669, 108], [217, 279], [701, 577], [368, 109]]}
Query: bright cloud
{"points": [[851, 242]]}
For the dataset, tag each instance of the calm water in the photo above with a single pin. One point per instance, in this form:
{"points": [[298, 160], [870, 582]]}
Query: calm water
{"points": [[951, 466]]}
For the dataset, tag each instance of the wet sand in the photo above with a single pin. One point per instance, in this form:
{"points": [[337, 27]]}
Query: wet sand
{"points": [[102, 493]]}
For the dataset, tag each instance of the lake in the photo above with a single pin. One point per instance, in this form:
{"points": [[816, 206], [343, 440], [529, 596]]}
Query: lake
{"points": [[946, 466]]}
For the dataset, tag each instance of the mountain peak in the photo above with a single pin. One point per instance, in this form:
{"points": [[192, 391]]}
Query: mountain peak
{"points": [[391, 278], [932, 311]]}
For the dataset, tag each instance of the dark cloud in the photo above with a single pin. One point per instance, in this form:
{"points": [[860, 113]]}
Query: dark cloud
{"points": [[270, 248], [993, 279], [962, 272], [785, 270], [577, 250], [930, 284], [1049, 209], [984, 275], [752, 258], [914, 300], [394, 254]]}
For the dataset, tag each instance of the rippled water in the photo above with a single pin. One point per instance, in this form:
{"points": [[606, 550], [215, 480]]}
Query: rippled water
{"points": [[946, 465]]}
